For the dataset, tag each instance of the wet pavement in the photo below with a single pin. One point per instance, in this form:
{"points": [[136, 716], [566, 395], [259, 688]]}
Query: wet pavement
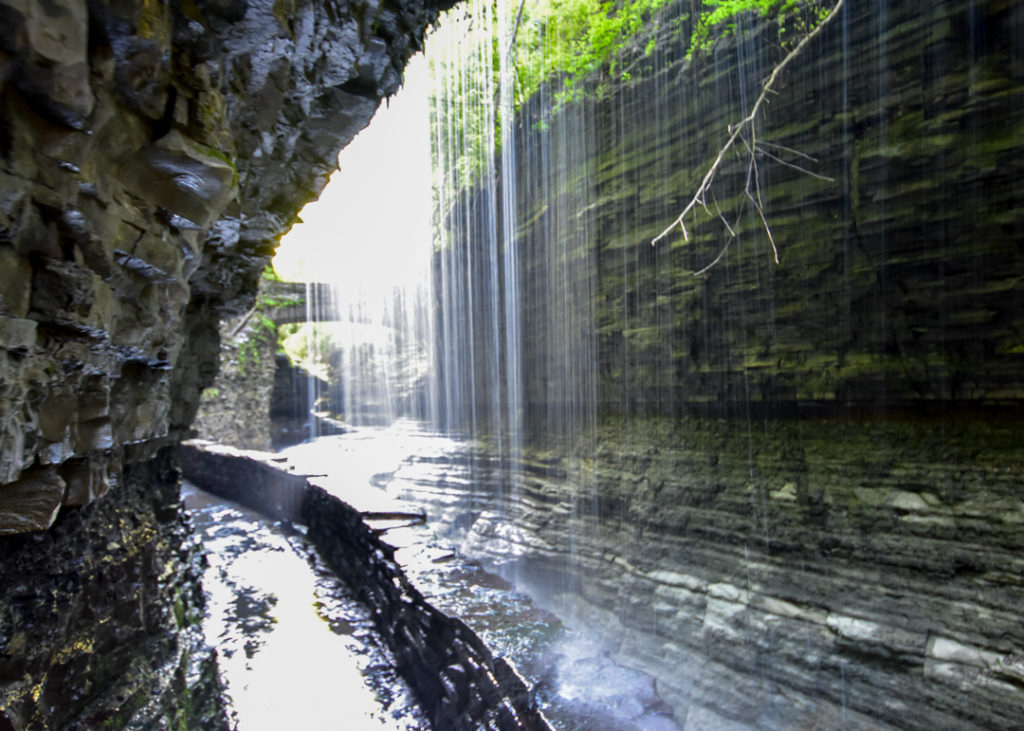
{"points": [[296, 651]]}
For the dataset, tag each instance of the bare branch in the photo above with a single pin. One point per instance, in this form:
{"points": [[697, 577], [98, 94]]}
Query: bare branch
{"points": [[722, 216], [718, 258], [768, 230], [736, 133], [790, 150], [515, 28], [803, 170]]}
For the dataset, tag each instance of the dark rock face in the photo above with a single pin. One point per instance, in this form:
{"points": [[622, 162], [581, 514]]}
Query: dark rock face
{"points": [[99, 618], [798, 499], [290, 400], [150, 155]]}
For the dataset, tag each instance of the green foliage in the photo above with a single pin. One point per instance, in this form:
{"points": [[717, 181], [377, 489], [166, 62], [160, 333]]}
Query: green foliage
{"points": [[261, 330], [578, 44], [718, 19], [581, 39], [579, 48], [577, 39], [273, 302], [264, 330], [309, 345]]}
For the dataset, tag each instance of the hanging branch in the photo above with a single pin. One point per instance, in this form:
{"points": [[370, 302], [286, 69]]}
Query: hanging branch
{"points": [[740, 131]]}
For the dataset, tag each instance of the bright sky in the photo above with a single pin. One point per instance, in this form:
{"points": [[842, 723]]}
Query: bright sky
{"points": [[371, 226]]}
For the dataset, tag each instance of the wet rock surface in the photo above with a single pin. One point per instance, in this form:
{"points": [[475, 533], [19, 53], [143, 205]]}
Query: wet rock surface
{"points": [[150, 155], [778, 574], [99, 617], [575, 682], [288, 633], [458, 682]]}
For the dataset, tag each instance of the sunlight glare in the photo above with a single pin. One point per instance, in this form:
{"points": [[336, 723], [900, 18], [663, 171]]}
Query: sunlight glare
{"points": [[370, 228]]}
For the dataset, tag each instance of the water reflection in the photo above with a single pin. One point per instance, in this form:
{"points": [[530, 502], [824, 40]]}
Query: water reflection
{"points": [[577, 683], [295, 650]]}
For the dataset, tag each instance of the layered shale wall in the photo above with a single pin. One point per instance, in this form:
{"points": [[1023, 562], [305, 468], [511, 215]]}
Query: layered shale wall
{"points": [[150, 155], [792, 491]]}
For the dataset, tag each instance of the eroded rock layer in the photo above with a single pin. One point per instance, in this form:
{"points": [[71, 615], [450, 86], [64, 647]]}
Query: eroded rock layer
{"points": [[150, 155], [792, 491], [772, 573], [100, 616]]}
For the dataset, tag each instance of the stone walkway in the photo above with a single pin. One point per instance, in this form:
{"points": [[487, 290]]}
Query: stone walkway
{"points": [[295, 649]]}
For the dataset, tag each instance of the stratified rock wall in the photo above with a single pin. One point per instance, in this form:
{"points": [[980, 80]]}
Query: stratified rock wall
{"points": [[791, 491], [150, 155], [773, 573]]}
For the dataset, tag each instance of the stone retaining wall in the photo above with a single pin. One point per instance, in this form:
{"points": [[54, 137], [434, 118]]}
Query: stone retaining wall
{"points": [[457, 681]]}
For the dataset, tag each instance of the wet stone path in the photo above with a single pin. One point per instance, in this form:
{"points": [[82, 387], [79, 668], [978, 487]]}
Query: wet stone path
{"points": [[296, 651], [577, 684]]}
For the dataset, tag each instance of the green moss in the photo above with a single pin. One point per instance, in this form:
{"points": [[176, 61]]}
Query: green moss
{"points": [[179, 612], [718, 18]]}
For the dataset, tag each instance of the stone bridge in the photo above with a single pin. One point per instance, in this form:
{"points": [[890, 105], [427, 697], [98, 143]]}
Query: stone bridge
{"points": [[288, 302]]}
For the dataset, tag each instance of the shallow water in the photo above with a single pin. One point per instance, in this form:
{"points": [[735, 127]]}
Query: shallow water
{"points": [[295, 650], [578, 686]]}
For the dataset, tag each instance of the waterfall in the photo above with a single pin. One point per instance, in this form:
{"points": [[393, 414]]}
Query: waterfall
{"points": [[756, 457], [514, 272], [367, 339]]}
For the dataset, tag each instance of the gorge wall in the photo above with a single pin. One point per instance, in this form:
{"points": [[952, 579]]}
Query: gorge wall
{"points": [[152, 153], [793, 491]]}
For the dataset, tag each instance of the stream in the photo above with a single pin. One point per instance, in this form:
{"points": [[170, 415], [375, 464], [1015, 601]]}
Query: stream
{"points": [[290, 636]]}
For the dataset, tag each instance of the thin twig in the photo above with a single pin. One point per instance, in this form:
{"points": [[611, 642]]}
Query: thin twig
{"points": [[737, 128], [768, 230], [736, 225], [515, 29], [803, 170], [722, 216], [790, 150], [757, 173], [717, 259], [245, 320]]}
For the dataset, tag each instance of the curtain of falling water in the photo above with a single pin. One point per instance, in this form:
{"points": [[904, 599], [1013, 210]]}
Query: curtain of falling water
{"points": [[312, 386], [478, 332], [510, 261], [477, 343], [369, 327], [515, 271]]}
